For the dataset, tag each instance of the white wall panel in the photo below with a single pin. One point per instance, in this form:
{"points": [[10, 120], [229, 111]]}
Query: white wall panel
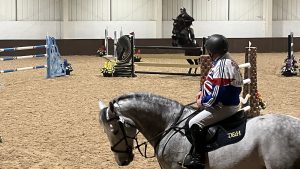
{"points": [[89, 10], [29, 29], [134, 10], [283, 28], [286, 10], [95, 30], [275, 11], [7, 10], [214, 10], [74, 29], [230, 29], [246, 10], [294, 10], [78, 6], [143, 29], [39, 10], [58, 10], [298, 10], [44, 10], [171, 8], [245, 18]]}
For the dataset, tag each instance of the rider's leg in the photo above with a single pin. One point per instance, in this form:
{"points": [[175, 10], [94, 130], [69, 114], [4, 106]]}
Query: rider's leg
{"points": [[205, 118], [192, 32], [197, 158], [213, 115]]}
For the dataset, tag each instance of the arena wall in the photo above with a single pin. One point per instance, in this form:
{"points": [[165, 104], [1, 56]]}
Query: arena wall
{"points": [[90, 46], [143, 29]]}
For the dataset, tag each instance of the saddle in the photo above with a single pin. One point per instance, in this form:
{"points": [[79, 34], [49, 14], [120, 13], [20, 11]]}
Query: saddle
{"points": [[225, 132]]}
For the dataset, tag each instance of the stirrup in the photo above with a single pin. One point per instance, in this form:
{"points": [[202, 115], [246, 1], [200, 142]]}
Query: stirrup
{"points": [[193, 162]]}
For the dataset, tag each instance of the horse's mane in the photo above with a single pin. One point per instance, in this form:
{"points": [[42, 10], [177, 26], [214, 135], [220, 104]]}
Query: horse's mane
{"points": [[146, 97], [168, 108]]}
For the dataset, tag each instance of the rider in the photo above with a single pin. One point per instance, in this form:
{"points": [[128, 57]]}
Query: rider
{"points": [[188, 21], [219, 96]]}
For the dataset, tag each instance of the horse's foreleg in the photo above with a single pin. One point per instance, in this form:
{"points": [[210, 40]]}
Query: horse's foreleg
{"points": [[190, 61], [195, 72], [190, 71], [196, 63]]}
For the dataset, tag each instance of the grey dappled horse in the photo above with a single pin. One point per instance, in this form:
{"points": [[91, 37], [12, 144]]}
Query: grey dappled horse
{"points": [[271, 141]]}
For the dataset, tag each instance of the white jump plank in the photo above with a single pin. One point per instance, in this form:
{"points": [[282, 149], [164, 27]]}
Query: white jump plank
{"points": [[166, 65]]}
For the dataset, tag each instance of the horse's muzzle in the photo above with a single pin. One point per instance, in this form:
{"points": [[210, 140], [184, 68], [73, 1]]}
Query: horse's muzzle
{"points": [[128, 161], [124, 163]]}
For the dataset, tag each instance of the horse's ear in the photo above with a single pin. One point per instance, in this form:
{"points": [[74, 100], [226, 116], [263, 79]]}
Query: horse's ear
{"points": [[102, 105], [103, 115], [111, 106]]}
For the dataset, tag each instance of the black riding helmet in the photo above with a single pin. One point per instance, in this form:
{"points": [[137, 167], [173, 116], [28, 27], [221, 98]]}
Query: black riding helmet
{"points": [[216, 44]]}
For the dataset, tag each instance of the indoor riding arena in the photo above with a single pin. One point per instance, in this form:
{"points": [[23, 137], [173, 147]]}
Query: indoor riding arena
{"points": [[55, 56]]}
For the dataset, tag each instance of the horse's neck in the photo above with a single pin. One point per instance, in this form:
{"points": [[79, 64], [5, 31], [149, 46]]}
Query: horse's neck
{"points": [[180, 26], [151, 119]]}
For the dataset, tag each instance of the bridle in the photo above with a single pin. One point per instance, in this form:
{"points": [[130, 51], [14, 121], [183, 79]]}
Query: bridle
{"points": [[138, 146], [129, 149], [124, 138]]}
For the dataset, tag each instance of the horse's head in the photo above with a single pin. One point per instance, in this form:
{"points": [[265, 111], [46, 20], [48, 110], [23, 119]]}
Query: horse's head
{"points": [[177, 26], [120, 132]]}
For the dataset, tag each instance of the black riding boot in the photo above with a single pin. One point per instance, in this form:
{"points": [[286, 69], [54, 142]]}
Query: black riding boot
{"points": [[197, 158]]}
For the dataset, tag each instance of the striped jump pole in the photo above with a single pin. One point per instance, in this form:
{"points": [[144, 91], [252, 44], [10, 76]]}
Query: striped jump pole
{"points": [[23, 68], [22, 57], [55, 66], [23, 48]]}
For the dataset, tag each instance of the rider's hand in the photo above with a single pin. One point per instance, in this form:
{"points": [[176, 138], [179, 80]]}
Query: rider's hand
{"points": [[198, 99]]}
